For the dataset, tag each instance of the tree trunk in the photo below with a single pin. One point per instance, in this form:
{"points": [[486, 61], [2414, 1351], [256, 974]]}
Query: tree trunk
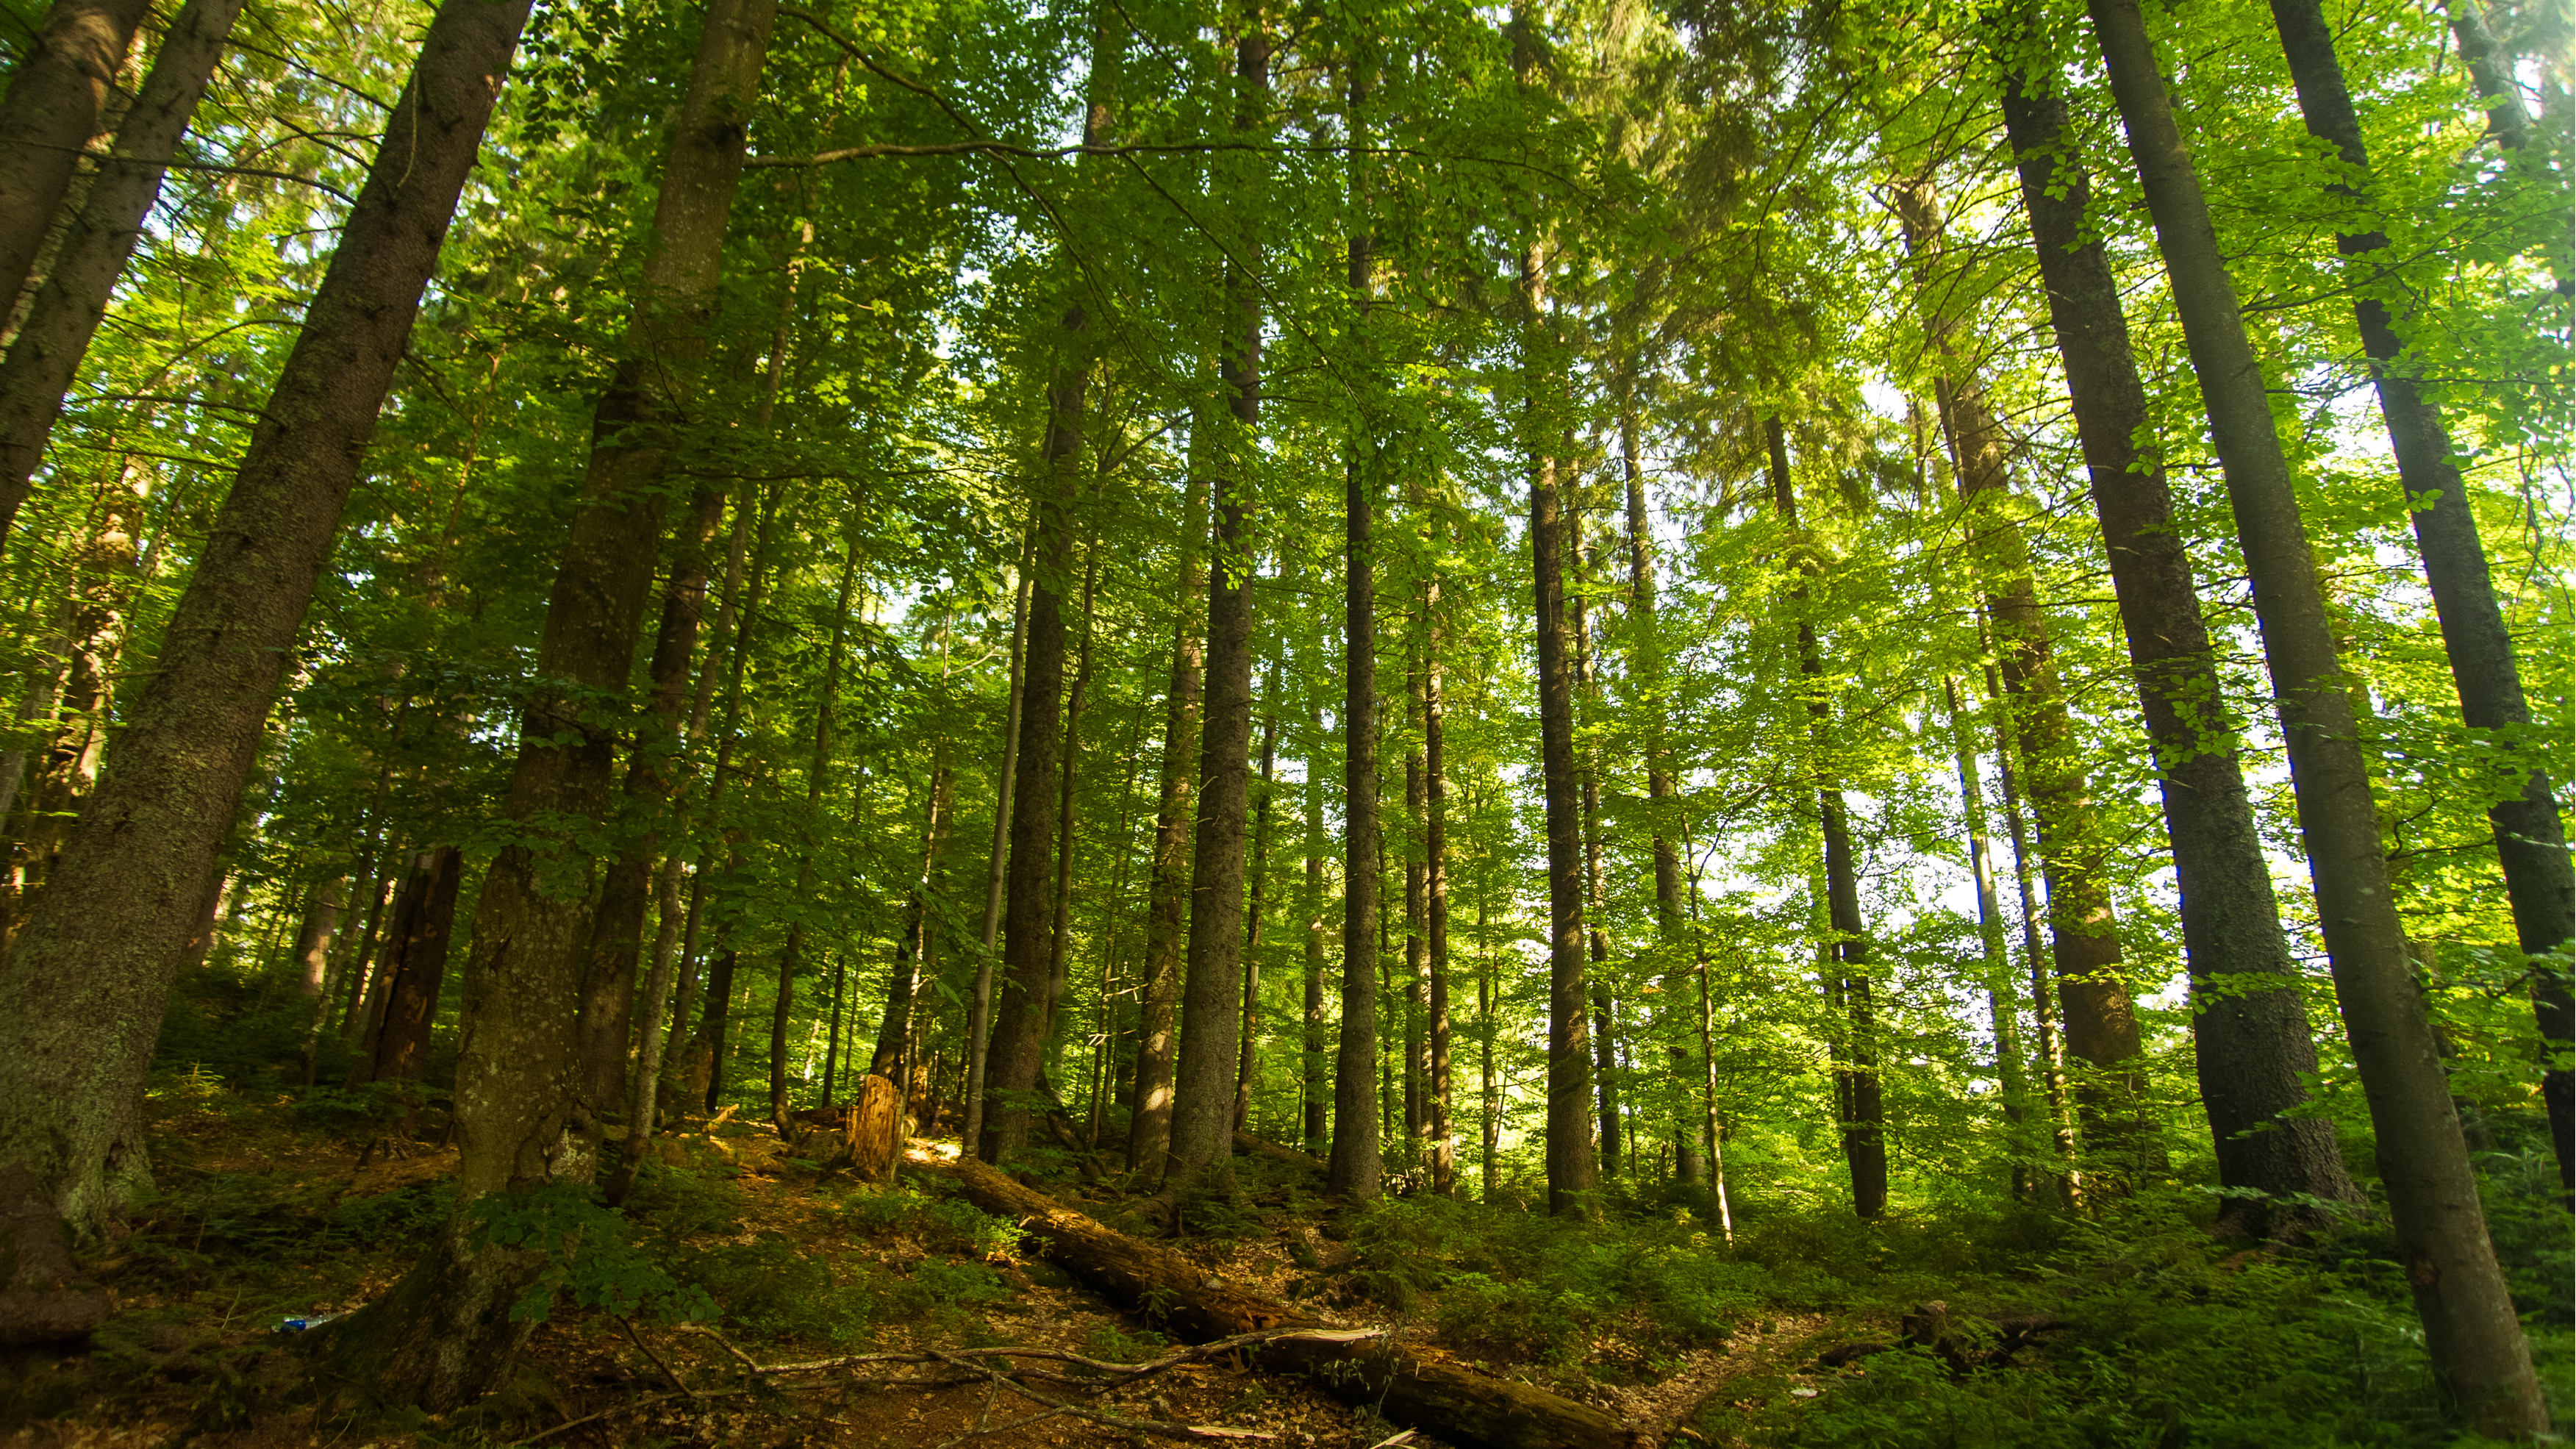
{"points": [[1018, 1042], [1435, 835], [1316, 1118], [1857, 1092], [313, 936], [1248, 1062], [2067, 1187], [1605, 1046], [1355, 1166], [1417, 906], [979, 1007], [817, 772], [1060, 923], [1202, 1115], [414, 968], [2470, 1326], [58, 97], [2002, 998], [1149, 1132], [66, 309], [893, 1029], [2531, 843], [2254, 1046], [442, 1337], [81, 1003]]}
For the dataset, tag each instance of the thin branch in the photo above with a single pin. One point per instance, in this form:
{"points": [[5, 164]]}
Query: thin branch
{"points": [[209, 166]]}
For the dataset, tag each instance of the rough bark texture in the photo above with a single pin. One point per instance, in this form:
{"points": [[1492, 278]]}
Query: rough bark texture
{"points": [[2470, 1327], [1026, 973], [2531, 842], [1149, 1134], [57, 98], [1356, 1167], [979, 1006], [1203, 1096], [1247, 1072], [82, 1001], [414, 968], [818, 769], [2253, 1045], [1316, 1119], [893, 1044], [66, 309], [444, 1336], [1410, 1386], [1435, 837]]}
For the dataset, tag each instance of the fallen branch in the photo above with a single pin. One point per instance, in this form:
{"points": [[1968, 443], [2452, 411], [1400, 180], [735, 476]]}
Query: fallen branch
{"points": [[1410, 1386], [1245, 1142]]}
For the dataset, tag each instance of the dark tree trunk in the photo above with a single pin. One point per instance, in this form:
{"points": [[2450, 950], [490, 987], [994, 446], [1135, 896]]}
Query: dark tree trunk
{"points": [[1060, 926], [1149, 1133], [1417, 906], [2470, 1326], [1435, 835], [443, 1336], [65, 310], [81, 1003], [414, 968], [58, 98], [1212, 988], [1572, 1174], [1316, 1119], [1860, 1110], [894, 1028], [1248, 1062], [1355, 1168], [979, 1006], [2253, 1046], [2531, 842]]}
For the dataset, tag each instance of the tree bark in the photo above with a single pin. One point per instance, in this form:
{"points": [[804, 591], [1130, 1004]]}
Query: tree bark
{"points": [[57, 99], [1417, 906], [2531, 842], [1248, 1061], [2254, 1045], [82, 1000], [1857, 1094], [1316, 1117], [1605, 1011], [443, 1336], [1356, 1168], [1202, 1102], [67, 307], [1149, 1133], [979, 1007], [1435, 834], [414, 968], [817, 772], [893, 1042], [2470, 1326]]}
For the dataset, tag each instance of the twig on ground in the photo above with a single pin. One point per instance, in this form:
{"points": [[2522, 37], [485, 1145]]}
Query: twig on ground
{"points": [[1160, 1428], [646, 1349]]}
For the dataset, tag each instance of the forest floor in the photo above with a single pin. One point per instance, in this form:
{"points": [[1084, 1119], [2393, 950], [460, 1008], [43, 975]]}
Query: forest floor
{"points": [[2148, 1331]]}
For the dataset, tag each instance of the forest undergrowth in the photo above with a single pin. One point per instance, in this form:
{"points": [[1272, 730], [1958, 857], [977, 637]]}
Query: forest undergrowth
{"points": [[2135, 1326]]}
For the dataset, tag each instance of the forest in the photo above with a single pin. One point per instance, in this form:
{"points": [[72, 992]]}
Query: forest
{"points": [[1322, 722]]}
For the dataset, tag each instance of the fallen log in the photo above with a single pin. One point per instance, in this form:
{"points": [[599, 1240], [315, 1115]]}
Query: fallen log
{"points": [[1407, 1385], [1246, 1143]]}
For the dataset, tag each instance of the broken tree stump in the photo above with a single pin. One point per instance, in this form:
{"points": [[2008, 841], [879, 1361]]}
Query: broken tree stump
{"points": [[875, 1140], [1407, 1385]]}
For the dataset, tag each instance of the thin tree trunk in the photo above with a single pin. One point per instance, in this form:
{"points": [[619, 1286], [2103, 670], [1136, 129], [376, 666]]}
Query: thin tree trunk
{"points": [[416, 968], [1355, 1169], [1489, 1090], [1149, 1133], [1202, 1105], [2531, 843], [1316, 1117], [2002, 997], [2254, 1046], [893, 1029], [979, 1009], [2067, 1188], [1417, 906], [1857, 1090], [2470, 1327], [1248, 1060], [1435, 834], [58, 97], [444, 1336], [66, 309], [1572, 1174], [1605, 1046], [81, 1003], [1060, 929], [817, 773]]}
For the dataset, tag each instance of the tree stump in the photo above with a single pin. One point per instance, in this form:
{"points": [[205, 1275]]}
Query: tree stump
{"points": [[875, 1133]]}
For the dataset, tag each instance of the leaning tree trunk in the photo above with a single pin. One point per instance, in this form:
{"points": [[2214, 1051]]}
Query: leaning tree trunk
{"points": [[65, 311], [2470, 1326], [81, 1003], [57, 97], [444, 1335], [2254, 1045], [1355, 1169], [2531, 843], [1857, 1092], [1202, 1099], [2101, 1020]]}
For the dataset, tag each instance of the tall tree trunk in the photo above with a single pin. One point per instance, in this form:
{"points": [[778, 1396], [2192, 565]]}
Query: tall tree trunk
{"points": [[2470, 1326], [1417, 906], [58, 97], [979, 1007], [652, 780], [82, 1000], [1202, 1104], [1315, 1119], [1149, 1133], [2254, 1045], [1060, 927], [415, 968], [2101, 1020], [1435, 837], [1605, 1046], [1248, 1060], [893, 1030], [1012, 1057], [1857, 1091], [2002, 997], [1355, 1169], [443, 1336], [817, 772], [2492, 72], [313, 936], [2067, 1184], [2531, 842]]}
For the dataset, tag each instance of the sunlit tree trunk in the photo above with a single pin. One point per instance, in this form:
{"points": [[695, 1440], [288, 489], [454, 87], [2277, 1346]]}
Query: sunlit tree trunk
{"points": [[58, 96], [2531, 841], [1149, 1134], [81, 1001], [2470, 1326], [1355, 1169], [2254, 1046], [1435, 835], [979, 1007]]}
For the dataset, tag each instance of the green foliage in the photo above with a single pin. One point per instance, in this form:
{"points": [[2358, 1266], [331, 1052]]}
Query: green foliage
{"points": [[587, 1253]]}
